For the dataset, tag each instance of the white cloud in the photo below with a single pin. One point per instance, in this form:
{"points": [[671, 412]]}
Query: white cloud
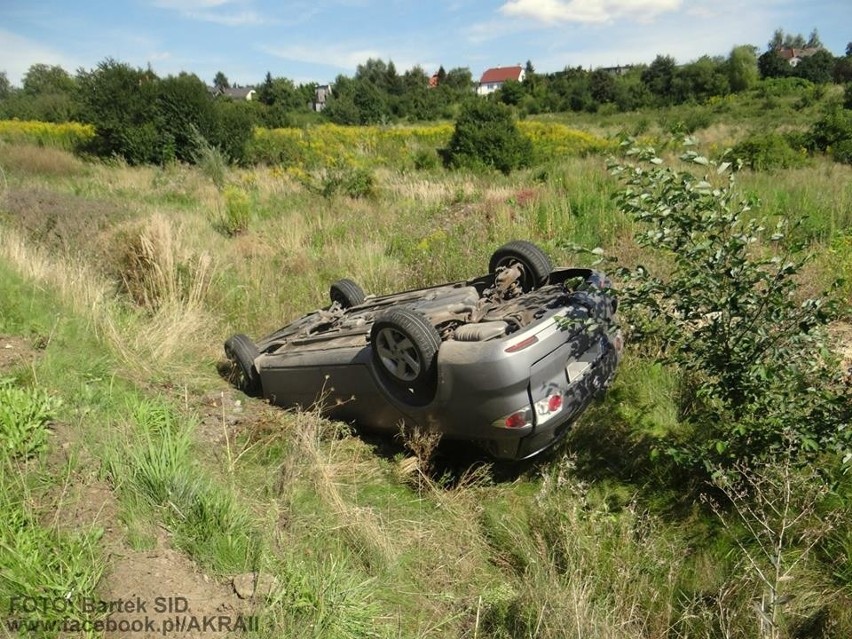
{"points": [[225, 12], [347, 58], [332, 56], [587, 11], [18, 54], [190, 5], [242, 18]]}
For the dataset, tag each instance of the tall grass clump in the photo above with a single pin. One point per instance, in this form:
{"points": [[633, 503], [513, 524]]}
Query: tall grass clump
{"points": [[159, 468], [210, 160], [582, 569], [237, 213], [156, 270]]}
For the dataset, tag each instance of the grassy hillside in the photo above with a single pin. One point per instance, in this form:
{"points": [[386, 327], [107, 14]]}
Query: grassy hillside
{"points": [[118, 286]]}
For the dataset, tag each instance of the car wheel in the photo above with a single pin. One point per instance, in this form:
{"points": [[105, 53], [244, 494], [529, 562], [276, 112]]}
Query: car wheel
{"points": [[405, 349], [242, 352], [346, 293], [534, 263]]}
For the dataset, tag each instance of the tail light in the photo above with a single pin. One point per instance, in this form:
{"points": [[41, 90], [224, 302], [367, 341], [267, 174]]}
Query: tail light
{"points": [[543, 410], [548, 407], [519, 419]]}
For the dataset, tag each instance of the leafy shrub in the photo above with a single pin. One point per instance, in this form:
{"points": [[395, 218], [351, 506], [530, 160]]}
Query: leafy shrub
{"points": [[766, 151], [24, 417], [833, 133], [350, 181], [486, 136], [426, 160], [751, 355], [842, 151]]}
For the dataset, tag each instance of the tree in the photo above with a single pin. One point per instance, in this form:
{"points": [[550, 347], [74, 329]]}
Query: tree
{"points": [[264, 93], [659, 78], [817, 68], [5, 86], [602, 86], [511, 93], [813, 40], [120, 101], [772, 65], [849, 49], [486, 136], [699, 80], [42, 79], [442, 75], [183, 111], [460, 79], [786, 40], [742, 68], [842, 73], [221, 81]]}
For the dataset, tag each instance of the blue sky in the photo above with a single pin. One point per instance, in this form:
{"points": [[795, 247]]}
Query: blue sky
{"points": [[316, 40]]}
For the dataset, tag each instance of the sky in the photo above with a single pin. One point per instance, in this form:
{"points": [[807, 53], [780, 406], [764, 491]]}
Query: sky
{"points": [[317, 40]]}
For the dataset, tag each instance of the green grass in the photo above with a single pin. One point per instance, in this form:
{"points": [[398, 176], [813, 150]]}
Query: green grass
{"points": [[594, 540]]}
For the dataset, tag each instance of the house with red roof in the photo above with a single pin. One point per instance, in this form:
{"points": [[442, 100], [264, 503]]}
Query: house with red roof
{"points": [[793, 55], [494, 78]]}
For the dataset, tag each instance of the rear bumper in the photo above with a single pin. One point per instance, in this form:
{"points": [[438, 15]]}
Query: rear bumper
{"points": [[480, 384]]}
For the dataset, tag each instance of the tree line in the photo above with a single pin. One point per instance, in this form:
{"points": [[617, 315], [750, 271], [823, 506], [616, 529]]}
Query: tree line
{"points": [[147, 118]]}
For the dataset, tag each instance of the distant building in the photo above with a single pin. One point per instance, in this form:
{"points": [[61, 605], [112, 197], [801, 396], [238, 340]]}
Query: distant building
{"points": [[619, 70], [235, 93], [793, 55], [496, 77], [321, 95]]}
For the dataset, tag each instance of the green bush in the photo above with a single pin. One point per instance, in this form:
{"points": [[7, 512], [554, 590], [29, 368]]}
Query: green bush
{"points": [[766, 151], [832, 133], [728, 315], [426, 160], [486, 136], [842, 151]]}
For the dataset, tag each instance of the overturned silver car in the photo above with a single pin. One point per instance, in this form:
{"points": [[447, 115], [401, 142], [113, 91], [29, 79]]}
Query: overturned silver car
{"points": [[506, 360]]}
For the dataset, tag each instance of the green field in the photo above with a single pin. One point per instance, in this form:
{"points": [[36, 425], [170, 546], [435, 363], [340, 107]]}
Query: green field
{"points": [[119, 284]]}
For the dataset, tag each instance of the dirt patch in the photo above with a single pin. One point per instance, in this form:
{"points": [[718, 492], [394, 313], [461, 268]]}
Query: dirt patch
{"points": [[60, 220], [15, 352], [148, 592], [161, 590]]}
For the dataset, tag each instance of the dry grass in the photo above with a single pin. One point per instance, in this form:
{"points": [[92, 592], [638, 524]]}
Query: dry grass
{"points": [[158, 270], [28, 159]]}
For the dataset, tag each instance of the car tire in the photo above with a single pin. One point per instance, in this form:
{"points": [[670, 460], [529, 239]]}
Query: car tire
{"points": [[242, 352], [533, 261], [346, 293], [405, 350]]}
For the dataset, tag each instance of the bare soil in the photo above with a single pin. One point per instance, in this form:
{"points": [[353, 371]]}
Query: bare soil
{"points": [[15, 352], [62, 220]]}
